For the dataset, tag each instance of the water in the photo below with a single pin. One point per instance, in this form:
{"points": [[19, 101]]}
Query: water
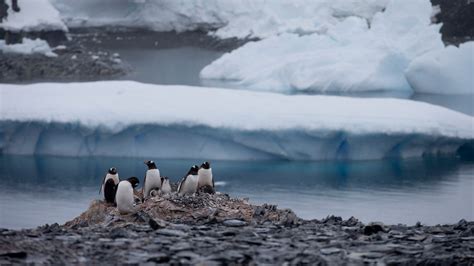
{"points": [[39, 190]]}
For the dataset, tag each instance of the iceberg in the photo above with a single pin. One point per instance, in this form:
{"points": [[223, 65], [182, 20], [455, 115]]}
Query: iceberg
{"points": [[224, 18], [35, 16], [125, 118], [445, 71], [353, 55], [28, 46]]}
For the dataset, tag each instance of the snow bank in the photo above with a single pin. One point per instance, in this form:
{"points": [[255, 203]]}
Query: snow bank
{"points": [[231, 18], [28, 46], [448, 71], [35, 15], [349, 56], [122, 118]]}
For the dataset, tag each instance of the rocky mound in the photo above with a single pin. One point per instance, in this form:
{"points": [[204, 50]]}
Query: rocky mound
{"points": [[194, 210]]}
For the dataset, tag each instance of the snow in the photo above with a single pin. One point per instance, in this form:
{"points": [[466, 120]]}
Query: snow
{"points": [[124, 118], [35, 15], [349, 56], [445, 71], [28, 46], [230, 18]]}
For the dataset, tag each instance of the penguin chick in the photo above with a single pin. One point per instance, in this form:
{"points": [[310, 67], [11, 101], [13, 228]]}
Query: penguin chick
{"points": [[152, 179], [188, 184], [165, 185], [205, 178], [124, 196], [109, 183]]}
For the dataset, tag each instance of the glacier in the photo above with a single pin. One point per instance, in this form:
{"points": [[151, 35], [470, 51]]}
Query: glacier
{"points": [[353, 55], [125, 118], [223, 18]]}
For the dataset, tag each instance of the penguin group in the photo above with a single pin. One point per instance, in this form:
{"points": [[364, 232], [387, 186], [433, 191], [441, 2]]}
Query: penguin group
{"points": [[124, 195]]}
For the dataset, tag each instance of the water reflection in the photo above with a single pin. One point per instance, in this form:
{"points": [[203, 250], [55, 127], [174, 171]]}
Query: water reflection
{"points": [[36, 190]]}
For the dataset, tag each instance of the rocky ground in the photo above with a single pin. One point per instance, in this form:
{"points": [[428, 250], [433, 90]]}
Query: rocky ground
{"points": [[88, 54], [217, 230]]}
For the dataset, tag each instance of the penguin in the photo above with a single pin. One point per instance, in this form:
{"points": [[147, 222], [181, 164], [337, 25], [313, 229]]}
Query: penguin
{"points": [[165, 185], [124, 196], [205, 175], [188, 184], [152, 179], [109, 185]]}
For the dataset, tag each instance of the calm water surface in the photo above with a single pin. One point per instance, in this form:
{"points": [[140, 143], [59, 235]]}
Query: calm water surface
{"points": [[39, 190]]}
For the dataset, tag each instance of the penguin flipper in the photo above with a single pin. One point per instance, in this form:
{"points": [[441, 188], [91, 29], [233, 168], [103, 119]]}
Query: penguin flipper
{"points": [[213, 183], [102, 184], [181, 182], [143, 187]]}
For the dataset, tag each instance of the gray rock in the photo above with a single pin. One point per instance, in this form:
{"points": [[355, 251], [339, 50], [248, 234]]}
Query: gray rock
{"points": [[234, 223]]}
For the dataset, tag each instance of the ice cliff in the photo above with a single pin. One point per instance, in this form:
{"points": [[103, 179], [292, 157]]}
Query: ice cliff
{"points": [[121, 118]]}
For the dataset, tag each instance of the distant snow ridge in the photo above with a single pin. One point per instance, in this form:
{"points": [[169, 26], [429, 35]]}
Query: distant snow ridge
{"points": [[122, 118], [350, 56], [230, 18], [35, 15], [28, 46]]}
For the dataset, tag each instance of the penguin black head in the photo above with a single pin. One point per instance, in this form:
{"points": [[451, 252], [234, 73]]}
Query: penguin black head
{"points": [[112, 171], [205, 165], [150, 164], [194, 170], [134, 181]]}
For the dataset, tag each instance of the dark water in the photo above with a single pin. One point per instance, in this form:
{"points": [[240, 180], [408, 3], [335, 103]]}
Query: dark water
{"points": [[38, 190]]}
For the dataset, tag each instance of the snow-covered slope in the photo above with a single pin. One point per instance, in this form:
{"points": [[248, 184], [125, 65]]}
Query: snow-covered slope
{"points": [[122, 118], [351, 56], [35, 15], [231, 18], [447, 71]]}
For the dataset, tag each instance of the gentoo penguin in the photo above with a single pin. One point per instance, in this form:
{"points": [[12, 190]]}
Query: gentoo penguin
{"points": [[165, 185], [152, 179], [188, 184], [205, 175], [124, 197], [109, 185]]}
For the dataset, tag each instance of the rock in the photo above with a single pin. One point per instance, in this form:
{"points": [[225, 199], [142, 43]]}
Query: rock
{"points": [[170, 232], [330, 251], [234, 223], [373, 228]]}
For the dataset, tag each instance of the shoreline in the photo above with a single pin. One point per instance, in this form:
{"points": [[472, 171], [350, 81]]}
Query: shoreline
{"points": [[217, 229]]}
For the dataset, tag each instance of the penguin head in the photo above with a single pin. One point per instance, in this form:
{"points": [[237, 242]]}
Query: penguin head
{"points": [[150, 164], [134, 181], [164, 179], [205, 165], [194, 170], [112, 171]]}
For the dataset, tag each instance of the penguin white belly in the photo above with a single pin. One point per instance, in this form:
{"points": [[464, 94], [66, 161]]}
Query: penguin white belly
{"points": [[189, 185], [110, 176], [153, 180], [205, 178], [124, 197]]}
